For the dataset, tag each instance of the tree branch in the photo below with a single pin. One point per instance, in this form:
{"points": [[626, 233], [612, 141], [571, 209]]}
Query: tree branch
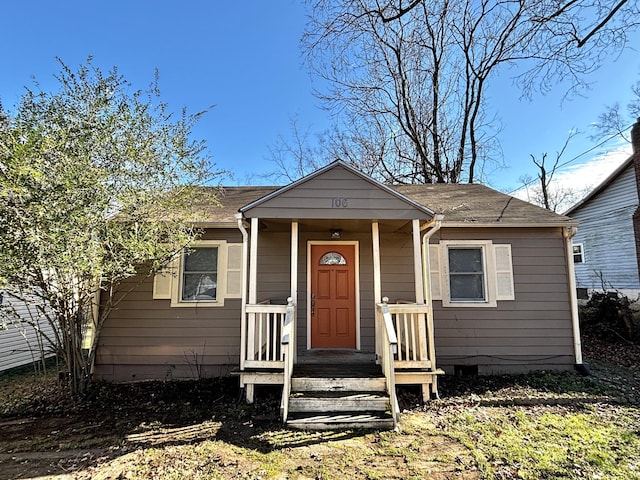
{"points": [[606, 19]]}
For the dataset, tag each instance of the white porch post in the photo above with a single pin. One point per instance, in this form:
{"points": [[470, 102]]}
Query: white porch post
{"points": [[419, 281], [294, 261], [294, 276], [253, 262], [377, 283], [417, 263], [253, 277]]}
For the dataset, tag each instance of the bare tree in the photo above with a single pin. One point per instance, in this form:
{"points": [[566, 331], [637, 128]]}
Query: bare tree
{"points": [[408, 79], [607, 11], [546, 192], [295, 155], [615, 122]]}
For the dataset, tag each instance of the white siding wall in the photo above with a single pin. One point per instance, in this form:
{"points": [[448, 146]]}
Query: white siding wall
{"points": [[606, 232], [19, 342]]}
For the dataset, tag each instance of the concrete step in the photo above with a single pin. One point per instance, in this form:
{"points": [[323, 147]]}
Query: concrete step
{"points": [[341, 421], [333, 384], [346, 401]]}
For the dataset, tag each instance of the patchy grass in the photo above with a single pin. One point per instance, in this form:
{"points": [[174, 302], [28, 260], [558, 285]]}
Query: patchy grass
{"points": [[543, 426], [539, 426], [602, 443]]}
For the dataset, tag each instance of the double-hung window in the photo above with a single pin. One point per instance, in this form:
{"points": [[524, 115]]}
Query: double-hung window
{"points": [[203, 275], [466, 274], [200, 274], [470, 273], [578, 253]]}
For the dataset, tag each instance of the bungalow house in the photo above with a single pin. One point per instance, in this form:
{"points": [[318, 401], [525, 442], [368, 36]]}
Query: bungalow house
{"points": [[338, 288], [606, 248]]}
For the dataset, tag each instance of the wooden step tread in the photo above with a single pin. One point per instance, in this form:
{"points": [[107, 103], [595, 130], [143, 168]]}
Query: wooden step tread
{"points": [[337, 370], [336, 402], [338, 384], [341, 421], [338, 394]]}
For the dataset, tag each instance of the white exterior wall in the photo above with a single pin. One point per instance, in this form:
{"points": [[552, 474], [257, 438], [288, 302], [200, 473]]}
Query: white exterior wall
{"points": [[19, 342], [606, 233]]}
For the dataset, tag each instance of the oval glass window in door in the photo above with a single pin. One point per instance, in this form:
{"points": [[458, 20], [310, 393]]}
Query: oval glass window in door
{"points": [[332, 258]]}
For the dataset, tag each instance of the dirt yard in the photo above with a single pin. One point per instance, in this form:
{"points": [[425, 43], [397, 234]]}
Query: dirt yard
{"points": [[197, 430], [200, 429]]}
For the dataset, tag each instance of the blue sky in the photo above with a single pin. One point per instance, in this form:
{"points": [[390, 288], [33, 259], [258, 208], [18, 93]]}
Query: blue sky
{"points": [[244, 58]]}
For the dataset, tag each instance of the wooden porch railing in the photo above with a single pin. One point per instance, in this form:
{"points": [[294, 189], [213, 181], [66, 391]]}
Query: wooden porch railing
{"points": [[389, 346], [414, 356], [265, 327], [288, 343], [414, 328]]}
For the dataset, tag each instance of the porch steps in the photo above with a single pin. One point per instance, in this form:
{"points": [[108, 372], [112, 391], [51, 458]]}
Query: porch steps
{"points": [[341, 421], [333, 397], [342, 401]]}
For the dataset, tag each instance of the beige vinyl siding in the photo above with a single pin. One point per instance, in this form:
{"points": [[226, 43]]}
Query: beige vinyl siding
{"points": [[146, 338], [532, 332], [274, 267], [396, 267]]}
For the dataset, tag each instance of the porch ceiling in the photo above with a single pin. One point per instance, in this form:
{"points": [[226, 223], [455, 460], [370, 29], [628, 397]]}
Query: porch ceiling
{"points": [[346, 226]]}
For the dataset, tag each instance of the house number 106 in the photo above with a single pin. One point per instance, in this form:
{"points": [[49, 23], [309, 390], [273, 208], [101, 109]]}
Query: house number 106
{"points": [[339, 202]]}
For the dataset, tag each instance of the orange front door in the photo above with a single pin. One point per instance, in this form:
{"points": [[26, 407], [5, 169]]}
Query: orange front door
{"points": [[333, 296]]}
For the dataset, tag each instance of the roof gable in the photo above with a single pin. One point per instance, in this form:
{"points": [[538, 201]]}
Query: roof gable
{"points": [[337, 191], [628, 163]]}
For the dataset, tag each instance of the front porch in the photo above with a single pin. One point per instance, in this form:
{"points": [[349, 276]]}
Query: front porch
{"points": [[340, 388], [335, 263]]}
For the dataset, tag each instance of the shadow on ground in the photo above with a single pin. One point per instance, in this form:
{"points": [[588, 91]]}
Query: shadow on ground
{"points": [[119, 427], [45, 433]]}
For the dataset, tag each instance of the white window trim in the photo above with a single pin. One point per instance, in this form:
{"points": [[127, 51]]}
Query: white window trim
{"points": [[582, 258], [488, 273]]}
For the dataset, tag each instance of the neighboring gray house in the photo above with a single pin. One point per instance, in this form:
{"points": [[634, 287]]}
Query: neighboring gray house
{"points": [[339, 283], [24, 334], [605, 246]]}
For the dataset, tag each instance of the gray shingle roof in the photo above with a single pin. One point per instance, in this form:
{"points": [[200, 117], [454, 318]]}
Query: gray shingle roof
{"points": [[471, 204], [478, 204]]}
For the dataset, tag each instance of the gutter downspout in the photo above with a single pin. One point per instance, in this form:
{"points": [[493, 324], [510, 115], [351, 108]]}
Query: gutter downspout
{"points": [[569, 233], [435, 225], [243, 313]]}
